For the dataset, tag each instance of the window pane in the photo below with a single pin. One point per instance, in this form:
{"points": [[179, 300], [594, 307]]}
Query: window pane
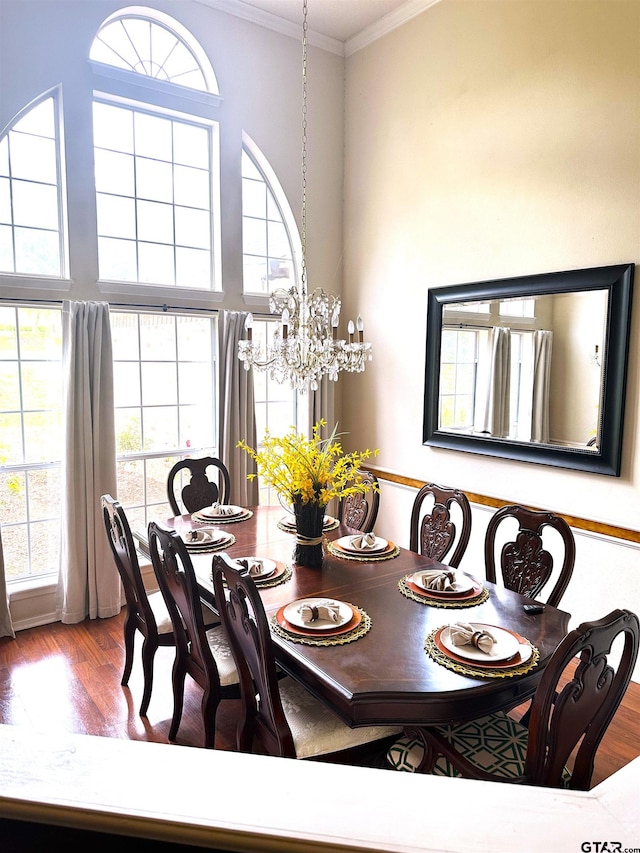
{"points": [[159, 383], [158, 337], [255, 274], [124, 335], [155, 263], [9, 386], [128, 427], [155, 222], [130, 475], [33, 158], [193, 227], [160, 428], [45, 486], [39, 120], [254, 237], [114, 172], [35, 205], [6, 249], [42, 436], [193, 268], [191, 187], [37, 252], [154, 180], [191, 145], [112, 128], [254, 198], [117, 259], [153, 136], [116, 216], [42, 385], [126, 388], [13, 497]]}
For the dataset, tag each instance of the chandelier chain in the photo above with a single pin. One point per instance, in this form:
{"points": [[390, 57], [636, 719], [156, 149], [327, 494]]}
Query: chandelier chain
{"points": [[303, 221]]}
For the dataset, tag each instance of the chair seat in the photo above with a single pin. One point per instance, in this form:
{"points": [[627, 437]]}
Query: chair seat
{"points": [[163, 620], [318, 731], [223, 655], [496, 743]]}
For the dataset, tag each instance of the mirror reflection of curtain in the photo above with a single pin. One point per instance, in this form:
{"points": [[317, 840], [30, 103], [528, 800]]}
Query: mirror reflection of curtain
{"points": [[88, 583], [542, 341], [496, 419], [6, 626], [237, 415]]}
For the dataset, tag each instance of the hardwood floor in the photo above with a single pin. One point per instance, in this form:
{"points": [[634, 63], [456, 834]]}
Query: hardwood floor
{"points": [[66, 678]]}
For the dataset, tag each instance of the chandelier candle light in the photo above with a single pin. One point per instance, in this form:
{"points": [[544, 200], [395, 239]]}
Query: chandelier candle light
{"points": [[306, 347]]}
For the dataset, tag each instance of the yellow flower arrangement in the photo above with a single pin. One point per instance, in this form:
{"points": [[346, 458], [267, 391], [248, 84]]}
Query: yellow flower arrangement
{"points": [[304, 470]]}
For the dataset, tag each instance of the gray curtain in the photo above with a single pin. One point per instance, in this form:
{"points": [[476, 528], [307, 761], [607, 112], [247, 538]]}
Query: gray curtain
{"points": [[6, 626], [237, 416], [88, 583], [322, 405], [542, 342], [496, 416]]}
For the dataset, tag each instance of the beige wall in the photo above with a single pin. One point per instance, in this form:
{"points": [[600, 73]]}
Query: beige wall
{"points": [[488, 139]]}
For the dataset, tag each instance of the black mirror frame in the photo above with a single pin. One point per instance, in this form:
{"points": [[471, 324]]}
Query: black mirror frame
{"points": [[618, 280]]}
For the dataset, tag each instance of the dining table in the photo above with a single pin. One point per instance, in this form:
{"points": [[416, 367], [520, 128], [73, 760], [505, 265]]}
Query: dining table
{"points": [[392, 663]]}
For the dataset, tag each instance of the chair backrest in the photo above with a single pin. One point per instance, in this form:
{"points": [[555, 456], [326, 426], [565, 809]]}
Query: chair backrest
{"points": [[525, 565], [434, 533], [126, 560], [177, 581], [200, 491], [262, 725], [581, 711], [360, 511]]}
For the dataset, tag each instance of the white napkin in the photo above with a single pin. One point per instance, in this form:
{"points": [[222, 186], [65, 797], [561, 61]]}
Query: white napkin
{"points": [[220, 509], [253, 565], [438, 579], [363, 541], [324, 610], [463, 634]]}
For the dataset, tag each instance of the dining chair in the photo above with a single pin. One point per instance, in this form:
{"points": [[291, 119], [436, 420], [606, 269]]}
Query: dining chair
{"points": [[563, 719], [146, 612], [526, 566], [360, 511], [279, 716], [202, 653], [200, 491], [434, 533]]}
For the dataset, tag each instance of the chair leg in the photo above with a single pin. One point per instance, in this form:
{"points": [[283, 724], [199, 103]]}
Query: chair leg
{"points": [[149, 648], [209, 707], [179, 673], [129, 641]]}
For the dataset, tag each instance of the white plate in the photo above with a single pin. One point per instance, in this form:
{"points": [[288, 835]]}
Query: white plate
{"points": [[206, 545], [291, 614], [461, 584], [210, 512], [268, 567], [204, 536], [291, 524], [345, 543], [505, 647]]}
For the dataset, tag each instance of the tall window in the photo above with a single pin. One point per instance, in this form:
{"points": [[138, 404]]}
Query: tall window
{"points": [[267, 242], [31, 227], [164, 375], [30, 439], [459, 356]]}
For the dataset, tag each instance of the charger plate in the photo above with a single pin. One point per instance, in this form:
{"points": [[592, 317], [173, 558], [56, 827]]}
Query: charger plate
{"points": [[357, 627], [478, 595], [523, 662], [223, 519], [216, 545], [282, 574], [329, 523], [389, 553]]}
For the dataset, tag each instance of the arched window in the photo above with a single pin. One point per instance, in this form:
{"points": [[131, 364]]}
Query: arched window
{"points": [[157, 169], [31, 221]]}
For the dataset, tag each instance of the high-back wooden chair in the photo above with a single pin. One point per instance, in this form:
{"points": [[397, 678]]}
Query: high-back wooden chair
{"points": [[279, 716], [200, 491], [563, 720], [434, 533], [146, 613], [526, 566], [360, 511], [202, 653]]}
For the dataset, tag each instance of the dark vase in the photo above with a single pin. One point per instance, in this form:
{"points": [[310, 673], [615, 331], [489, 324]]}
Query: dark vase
{"points": [[309, 523]]}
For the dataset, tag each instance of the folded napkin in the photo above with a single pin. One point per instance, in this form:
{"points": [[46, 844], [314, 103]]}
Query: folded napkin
{"points": [[364, 541], [254, 566], [219, 509], [311, 613], [193, 536], [438, 579], [464, 634]]}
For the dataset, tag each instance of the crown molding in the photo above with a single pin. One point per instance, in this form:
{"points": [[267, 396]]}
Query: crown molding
{"points": [[386, 24], [274, 22]]}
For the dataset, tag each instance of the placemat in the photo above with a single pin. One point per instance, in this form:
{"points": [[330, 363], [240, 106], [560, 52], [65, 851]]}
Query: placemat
{"points": [[477, 671], [369, 558], [434, 601], [223, 519], [337, 640]]}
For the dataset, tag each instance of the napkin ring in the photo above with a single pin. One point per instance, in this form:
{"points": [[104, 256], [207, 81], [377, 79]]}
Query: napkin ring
{"points": [[476, 637]]}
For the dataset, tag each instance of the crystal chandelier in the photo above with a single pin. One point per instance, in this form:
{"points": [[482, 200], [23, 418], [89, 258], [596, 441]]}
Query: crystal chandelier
{"points": [[306, 347]]}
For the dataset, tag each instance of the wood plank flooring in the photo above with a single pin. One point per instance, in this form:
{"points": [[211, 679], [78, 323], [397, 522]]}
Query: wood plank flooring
{"points": [[66, 678]]}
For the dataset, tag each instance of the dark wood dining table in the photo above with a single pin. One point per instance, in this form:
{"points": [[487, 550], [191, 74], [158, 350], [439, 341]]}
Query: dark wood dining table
{"points": [[385, 676]]}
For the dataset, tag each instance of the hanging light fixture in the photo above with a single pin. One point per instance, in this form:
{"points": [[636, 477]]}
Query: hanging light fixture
{"points": [[306, 347]]}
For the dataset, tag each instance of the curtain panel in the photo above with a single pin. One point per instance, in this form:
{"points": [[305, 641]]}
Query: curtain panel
{"points": [[88, 583], [542, 343], [6, 626], [237, 417]]}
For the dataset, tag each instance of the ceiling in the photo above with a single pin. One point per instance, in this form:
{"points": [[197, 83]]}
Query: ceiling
{"points": [[341, 26]]}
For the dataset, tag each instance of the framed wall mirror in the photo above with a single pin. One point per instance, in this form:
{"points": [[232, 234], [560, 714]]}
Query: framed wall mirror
{"points": [[531, 368]]}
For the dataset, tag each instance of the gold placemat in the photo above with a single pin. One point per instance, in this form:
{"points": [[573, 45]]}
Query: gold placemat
{"points": [[331, 526], [210, 550], [223, 519], [432, 601], [476, 671], [283, 578], [337, 640], [370, 558]]}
